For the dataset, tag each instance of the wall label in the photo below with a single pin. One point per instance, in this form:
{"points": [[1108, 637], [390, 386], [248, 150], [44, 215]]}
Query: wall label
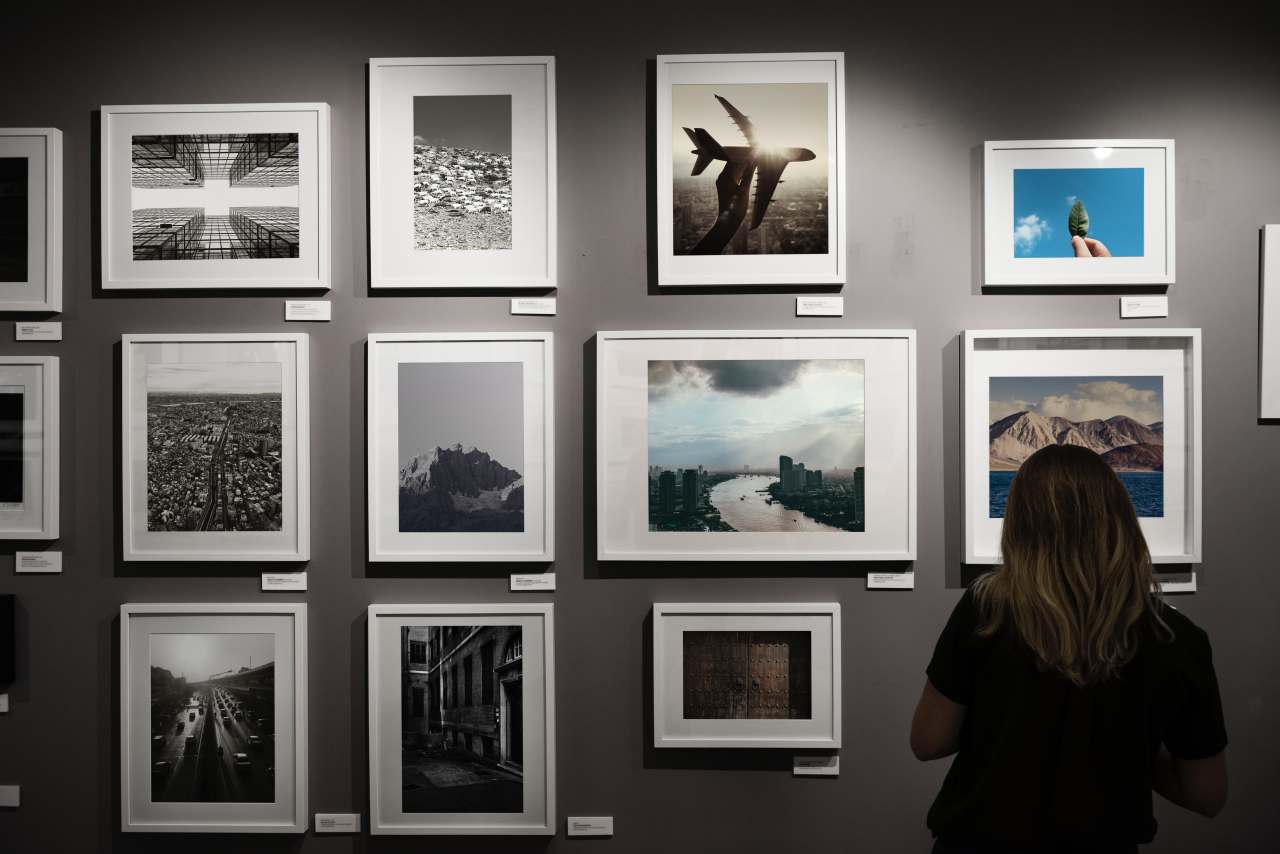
{"points": [[533, 305], [819, 306], [337, 822], [824, 765], [1152, 306], [308, 309], [272, 581], [594, 825], [10, 796], [30, 331], [891, 580], [525, 581], [46, 562]]}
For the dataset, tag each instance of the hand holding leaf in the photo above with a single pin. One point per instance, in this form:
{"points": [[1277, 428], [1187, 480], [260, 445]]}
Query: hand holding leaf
{"points": [[1078, 220]]}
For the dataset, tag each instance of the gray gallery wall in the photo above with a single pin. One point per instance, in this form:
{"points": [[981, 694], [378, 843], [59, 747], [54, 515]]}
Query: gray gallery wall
{"points": [[925, 88]]}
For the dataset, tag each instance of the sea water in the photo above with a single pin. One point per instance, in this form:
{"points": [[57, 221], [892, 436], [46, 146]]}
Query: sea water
{"points": [[1146, 490]]}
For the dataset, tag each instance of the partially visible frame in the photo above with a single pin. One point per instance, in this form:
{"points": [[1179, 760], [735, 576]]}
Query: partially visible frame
{"points": [[1028, 225], [286, 811], [524, 672], [215, 196], [488, 253], [1088, 360], [29, 397], [218, 367], [527, 359], [31, 268], [1269, 325], [798, 99], [886, 477], [746, 675]]}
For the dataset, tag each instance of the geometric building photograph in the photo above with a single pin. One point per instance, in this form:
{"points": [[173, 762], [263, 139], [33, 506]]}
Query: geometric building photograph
{"points": [[462, 713], [215, 196]]}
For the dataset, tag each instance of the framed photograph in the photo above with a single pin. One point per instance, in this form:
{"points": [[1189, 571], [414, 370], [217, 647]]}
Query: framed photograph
{"points": [[1079, 212], [213, 718], [751, 169], [1131, 395], [1269, 325], [30, 219], [215, 447], [746, 675], [756, 445], [462, 719], [215, 196], [28, 447], [462, 172], [461, 447]]}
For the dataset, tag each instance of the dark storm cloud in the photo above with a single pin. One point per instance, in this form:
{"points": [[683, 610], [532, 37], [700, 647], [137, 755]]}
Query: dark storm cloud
{"points": [[746, 377]]}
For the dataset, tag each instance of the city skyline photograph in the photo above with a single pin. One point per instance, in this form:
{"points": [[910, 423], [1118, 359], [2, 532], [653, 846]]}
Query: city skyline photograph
{"points": [[462, 172], [462, 731], [749, 168], [214, 446], [214, 196], [1121, 418], [756, 445], [461, 467], [1104, 206], [212, 698]]}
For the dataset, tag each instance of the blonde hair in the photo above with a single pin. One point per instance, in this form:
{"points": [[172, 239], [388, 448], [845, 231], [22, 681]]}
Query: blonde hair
{"points": [[1076, 580]]}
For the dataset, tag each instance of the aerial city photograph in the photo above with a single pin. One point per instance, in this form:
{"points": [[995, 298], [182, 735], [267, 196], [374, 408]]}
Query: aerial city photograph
{"points": [[757, 445], [213, 718], [213, 446], [731, 144]]}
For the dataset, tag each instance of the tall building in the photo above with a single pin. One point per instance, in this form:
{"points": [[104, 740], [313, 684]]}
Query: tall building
{"points": [[690, 494], [859, 494], [462, 691], [813, 479], [667, 492]]}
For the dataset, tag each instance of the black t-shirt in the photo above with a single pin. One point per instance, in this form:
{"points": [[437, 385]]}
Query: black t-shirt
{"points": [[1042, 761]]}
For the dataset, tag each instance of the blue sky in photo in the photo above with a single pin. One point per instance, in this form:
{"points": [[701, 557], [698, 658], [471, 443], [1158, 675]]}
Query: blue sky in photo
{"points": [[1042, 198]]}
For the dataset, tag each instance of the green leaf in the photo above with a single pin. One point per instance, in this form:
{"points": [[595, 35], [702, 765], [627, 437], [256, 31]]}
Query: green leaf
{"points": [[1078, 220]]}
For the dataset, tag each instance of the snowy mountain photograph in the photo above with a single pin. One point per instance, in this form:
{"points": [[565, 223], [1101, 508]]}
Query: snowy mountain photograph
{"points": [[1119, 418]]}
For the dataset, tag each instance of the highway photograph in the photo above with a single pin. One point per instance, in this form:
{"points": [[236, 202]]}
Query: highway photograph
{"points": [[212, 718]]}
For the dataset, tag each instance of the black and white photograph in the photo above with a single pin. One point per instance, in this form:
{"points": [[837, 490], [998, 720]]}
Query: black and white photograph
{"points": [[12, 463], [212, 718], [744, 674], [215, 196], [462, 713], [732, 145], [213, 446], [462, 172], [13, 219], [461, 449]]}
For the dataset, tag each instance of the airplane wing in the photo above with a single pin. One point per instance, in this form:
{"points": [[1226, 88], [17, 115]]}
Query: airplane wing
{"points": [[768, 175], [741, 120]]}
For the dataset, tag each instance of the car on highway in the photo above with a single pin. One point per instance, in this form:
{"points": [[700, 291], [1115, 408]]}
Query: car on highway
{"points": [[226, 718], [242, 762], [157, 741], [239, 716], [255, 741], [191, 716], [190, 746], [159, 769]]}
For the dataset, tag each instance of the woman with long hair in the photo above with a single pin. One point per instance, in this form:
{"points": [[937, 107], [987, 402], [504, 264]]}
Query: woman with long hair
{"points": [[1066, 687]]}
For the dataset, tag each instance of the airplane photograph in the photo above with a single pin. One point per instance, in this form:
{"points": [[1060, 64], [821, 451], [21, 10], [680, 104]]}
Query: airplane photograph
{"points": [[732, 145]]}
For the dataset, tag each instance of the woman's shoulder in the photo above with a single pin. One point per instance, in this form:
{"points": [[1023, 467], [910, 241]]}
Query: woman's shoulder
{"points": [[1187, 639]]}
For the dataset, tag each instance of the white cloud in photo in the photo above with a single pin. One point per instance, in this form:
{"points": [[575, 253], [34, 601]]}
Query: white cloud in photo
{"points": [[997, 409], [1028, 231], [1104, 399]]}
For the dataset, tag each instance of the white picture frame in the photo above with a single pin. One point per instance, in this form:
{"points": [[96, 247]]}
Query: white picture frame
{"points": [[32, 382], [1030, 224], [285, 246], [819, 691], [1269, 325], [888, 482], [534, 352], [535, 646], [687, 261], [1173, 355], [39, 288], [401, 258], [287, 811], [205, 355]]}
